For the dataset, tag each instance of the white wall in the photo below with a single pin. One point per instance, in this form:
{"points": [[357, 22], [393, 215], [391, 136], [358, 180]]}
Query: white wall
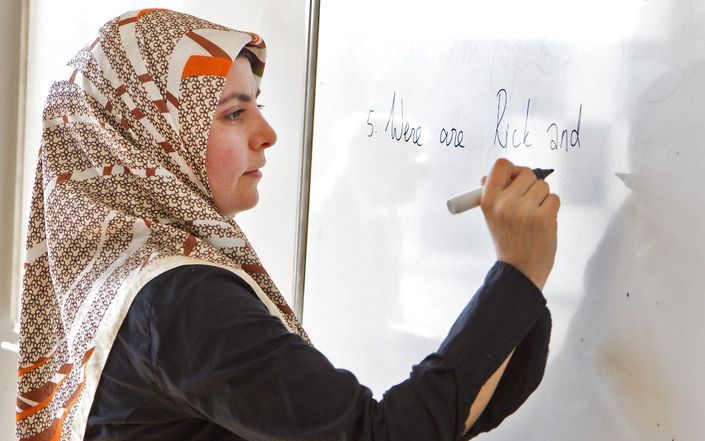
{"points": [[10, 21]]}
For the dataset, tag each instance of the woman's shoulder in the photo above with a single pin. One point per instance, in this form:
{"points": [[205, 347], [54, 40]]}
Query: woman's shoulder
{"points": [[195, 272], [195, 285]]}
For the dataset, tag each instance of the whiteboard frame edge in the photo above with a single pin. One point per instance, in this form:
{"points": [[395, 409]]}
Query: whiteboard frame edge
{"points": [[305, 165]]}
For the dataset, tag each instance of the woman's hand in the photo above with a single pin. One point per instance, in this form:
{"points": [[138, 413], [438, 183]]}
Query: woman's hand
{"points": [[521, 215]]}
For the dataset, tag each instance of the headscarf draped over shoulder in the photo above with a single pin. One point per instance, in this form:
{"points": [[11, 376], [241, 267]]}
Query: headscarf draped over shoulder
{"points": [[120, 196]]}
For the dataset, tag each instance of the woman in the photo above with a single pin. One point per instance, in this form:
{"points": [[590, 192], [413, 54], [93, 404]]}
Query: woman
{"points": [[147, 315]]}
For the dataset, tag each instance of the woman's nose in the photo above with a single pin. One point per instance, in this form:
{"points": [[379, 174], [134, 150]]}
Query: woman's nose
{"points": [[266, 136]]}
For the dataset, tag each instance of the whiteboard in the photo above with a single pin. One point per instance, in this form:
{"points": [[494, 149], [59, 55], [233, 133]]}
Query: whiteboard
{"points": [[415, 101]]}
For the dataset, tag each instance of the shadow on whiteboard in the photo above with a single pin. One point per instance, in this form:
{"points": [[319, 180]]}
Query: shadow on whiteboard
{"points": [[631, 364]]}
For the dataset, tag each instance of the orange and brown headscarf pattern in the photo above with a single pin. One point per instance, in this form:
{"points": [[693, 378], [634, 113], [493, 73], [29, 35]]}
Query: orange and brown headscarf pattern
{"points": [[121, 184]]}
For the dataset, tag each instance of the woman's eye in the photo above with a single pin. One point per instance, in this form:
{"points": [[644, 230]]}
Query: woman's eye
{"points": [[233, 116]]}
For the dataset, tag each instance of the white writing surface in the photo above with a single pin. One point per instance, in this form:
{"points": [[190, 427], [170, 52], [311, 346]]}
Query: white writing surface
{"points": [[416, 100]]}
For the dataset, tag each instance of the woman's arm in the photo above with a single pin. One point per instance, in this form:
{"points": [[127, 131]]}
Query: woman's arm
{"points": [[521, 216], [218, 352], [199, 355]]}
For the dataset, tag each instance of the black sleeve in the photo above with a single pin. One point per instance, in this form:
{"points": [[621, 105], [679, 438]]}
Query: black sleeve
{"points": [[218, 352], [507, 312]]}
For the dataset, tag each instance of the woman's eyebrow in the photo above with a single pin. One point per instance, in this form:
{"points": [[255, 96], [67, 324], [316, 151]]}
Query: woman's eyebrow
{"points": [[244, 97]]}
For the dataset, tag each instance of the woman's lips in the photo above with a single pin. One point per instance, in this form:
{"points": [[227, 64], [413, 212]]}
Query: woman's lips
{"points": [[254, 173]]}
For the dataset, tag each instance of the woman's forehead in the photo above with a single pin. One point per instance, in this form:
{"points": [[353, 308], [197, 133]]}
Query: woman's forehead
{"points": [[240, 83]]}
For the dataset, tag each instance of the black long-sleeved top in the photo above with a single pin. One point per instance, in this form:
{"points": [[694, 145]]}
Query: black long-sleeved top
{"points": [[199, 358]]}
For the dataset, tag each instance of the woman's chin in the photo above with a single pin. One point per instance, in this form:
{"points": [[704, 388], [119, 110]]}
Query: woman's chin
{"points": [[241, 204]]}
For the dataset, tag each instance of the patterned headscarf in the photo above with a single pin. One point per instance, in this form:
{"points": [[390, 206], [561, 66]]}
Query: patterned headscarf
{"points": [[120, 196]]}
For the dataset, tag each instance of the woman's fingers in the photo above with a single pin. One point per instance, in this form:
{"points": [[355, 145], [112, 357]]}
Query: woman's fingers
{"points": [[538, 191], [552, 203], [502, 175], [522, 182]]}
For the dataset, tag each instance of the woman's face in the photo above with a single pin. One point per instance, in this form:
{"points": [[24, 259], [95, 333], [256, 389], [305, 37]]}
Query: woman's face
{"points": [[237, 139]]}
